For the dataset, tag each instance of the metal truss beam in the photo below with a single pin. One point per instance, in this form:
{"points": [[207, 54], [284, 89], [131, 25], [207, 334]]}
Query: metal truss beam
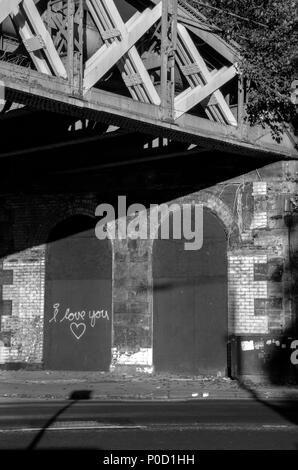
{"points": [[107, 56], [111, 27], [53, 94], [70, 71], [168, 54], [7, 7], [37, 40]]}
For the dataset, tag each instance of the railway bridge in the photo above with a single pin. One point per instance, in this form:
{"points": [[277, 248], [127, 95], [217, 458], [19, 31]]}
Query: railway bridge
{"points": [[105, 98], [150, 67]]}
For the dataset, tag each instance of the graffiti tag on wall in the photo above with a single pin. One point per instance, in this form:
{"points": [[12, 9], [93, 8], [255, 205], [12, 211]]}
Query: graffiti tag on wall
{"points": [[79, 320]]}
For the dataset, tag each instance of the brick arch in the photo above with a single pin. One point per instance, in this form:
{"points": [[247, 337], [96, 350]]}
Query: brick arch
{"points": [[218, 208], [215, 205], [54, 219]]}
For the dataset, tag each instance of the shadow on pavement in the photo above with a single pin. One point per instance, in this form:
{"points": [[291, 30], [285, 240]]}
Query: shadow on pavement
{"points": [[74, 397], [278, 371]]}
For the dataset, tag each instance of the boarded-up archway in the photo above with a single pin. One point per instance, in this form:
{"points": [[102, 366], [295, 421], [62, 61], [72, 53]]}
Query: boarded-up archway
{"points": [[190, 323], [78, 298]]}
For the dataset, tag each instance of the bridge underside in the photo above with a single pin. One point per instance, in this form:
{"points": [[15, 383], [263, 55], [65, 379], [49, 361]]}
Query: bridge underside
{"points": [[102, 67]]}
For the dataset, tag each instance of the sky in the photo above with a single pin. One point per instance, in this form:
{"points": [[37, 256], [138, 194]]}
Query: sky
{"points": [[125, 9]]}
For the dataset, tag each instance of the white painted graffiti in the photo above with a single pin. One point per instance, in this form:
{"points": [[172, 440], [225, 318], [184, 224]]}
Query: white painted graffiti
{"points": [[78, 320], [78, 329]]}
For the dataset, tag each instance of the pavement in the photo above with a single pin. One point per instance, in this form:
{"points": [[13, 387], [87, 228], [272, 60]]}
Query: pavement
{"points": [[47, 385]]}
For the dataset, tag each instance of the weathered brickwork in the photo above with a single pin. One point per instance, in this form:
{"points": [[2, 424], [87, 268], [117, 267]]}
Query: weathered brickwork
{"points": [[243, 290], [26, 295], [257, 211], [260, 205], [6, 277], [132, 310]]}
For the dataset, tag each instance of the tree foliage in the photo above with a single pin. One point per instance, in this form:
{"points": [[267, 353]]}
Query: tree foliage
{"points": [[267, 33]]}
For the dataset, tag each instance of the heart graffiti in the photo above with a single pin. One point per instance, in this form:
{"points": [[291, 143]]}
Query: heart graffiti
{"points": [[78, 329]]}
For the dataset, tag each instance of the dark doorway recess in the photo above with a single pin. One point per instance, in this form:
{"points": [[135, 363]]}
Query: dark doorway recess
{"points": [[190, 320], [78, 298]]}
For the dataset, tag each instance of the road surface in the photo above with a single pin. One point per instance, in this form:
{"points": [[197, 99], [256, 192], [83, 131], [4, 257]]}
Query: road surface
{"points": [[195, 424]]}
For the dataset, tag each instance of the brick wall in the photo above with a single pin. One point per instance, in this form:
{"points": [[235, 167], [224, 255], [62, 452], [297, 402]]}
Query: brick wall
{"points": [[26, 295], [252, 210], [243, 291]]}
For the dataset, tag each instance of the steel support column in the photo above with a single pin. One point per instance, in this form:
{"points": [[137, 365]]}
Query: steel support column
{"points": [[168, 53]]}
